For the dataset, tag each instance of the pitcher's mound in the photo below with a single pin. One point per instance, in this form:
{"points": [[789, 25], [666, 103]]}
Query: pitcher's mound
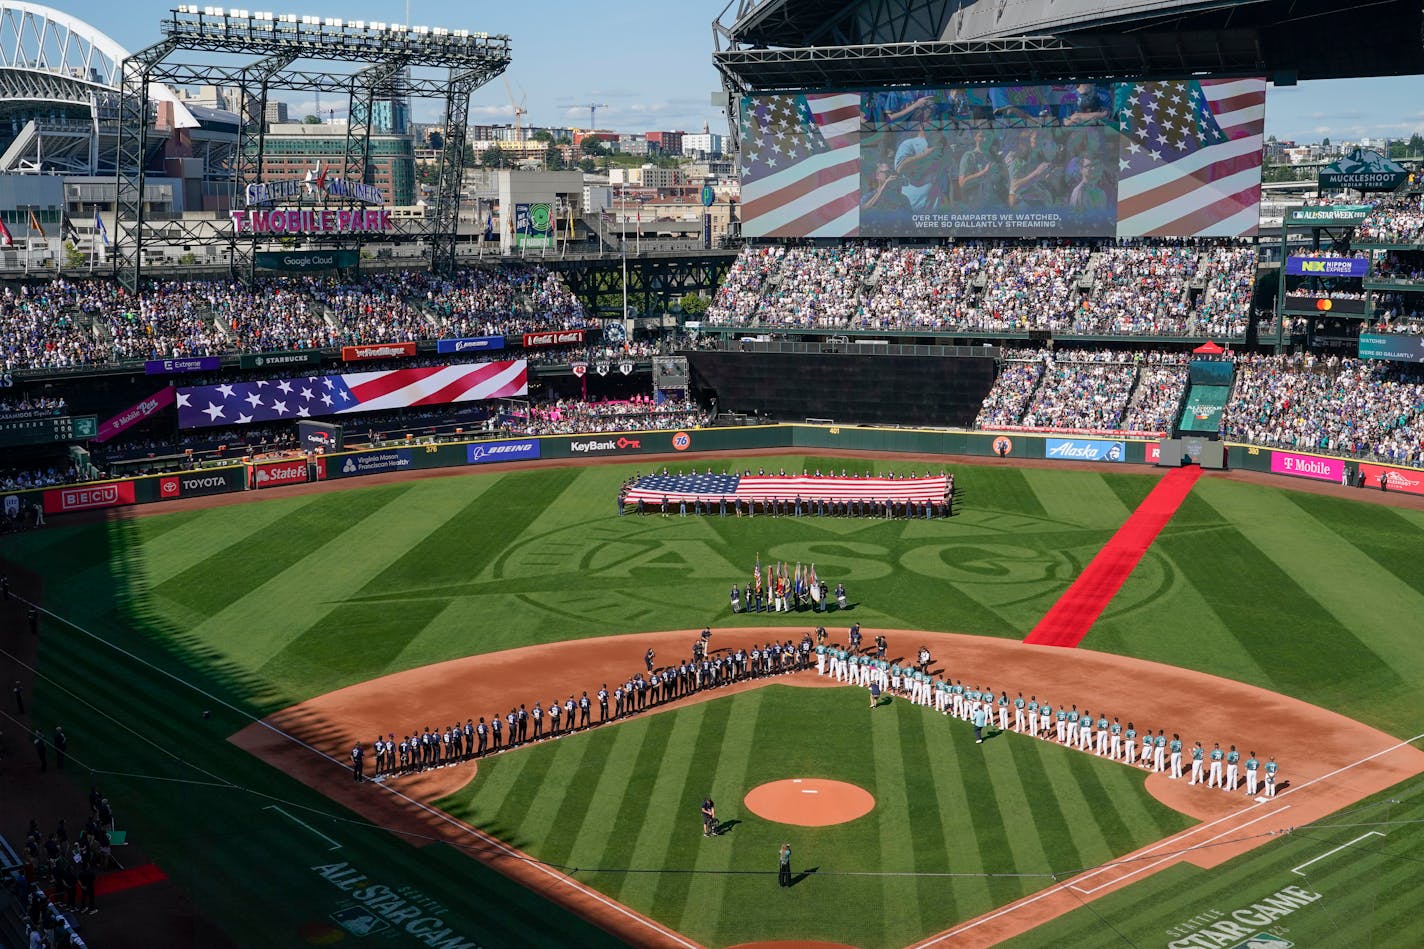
{"points": [[809, 802]]}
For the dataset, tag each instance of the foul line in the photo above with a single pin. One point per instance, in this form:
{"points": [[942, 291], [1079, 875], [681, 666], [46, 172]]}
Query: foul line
{"points": [[441, 815], [1068, 886], [1172, 856], [1296, 870], [274, 807]]}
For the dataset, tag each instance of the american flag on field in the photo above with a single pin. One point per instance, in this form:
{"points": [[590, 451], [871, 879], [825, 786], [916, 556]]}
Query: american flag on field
{"points": [[801, 165], [273, 400], [708, 487], [1190, 159]]}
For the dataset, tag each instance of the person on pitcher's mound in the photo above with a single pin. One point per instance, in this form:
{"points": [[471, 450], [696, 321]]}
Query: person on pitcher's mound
{"points": [[709, 817]]}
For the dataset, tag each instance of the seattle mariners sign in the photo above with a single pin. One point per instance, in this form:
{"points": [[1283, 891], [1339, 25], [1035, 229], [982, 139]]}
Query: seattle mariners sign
{"points": [[315, 187]]}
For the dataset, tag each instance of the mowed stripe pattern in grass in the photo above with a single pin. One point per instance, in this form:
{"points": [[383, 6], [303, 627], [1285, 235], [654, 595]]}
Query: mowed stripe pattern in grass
{"points": [[618, 808], [307, 594], [1312, 596], [1369, 890]]}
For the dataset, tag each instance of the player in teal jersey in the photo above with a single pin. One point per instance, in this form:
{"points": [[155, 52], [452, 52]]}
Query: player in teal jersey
{"points": [[1232, 777]]}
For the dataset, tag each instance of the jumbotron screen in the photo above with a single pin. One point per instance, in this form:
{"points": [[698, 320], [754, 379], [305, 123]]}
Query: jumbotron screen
{"points": [[1144, 159]]}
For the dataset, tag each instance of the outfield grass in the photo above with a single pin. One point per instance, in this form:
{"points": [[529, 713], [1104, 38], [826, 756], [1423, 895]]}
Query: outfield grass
{"points": [[958, 828], [269, 603], [1368, 891]]}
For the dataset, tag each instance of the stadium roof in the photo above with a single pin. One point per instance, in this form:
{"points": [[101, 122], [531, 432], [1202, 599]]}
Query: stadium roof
{"points": [[785, 44]]}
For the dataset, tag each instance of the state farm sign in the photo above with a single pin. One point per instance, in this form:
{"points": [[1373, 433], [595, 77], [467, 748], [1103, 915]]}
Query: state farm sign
{"points": [[554, 338], [277, 473], [88, 497]]}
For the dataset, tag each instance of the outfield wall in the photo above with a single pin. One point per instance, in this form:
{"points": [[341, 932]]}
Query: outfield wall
{"points": [[830, 439]]}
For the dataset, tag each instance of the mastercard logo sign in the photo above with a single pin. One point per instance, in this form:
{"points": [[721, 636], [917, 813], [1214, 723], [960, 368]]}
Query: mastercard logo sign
{"points": [[1324, 305]]}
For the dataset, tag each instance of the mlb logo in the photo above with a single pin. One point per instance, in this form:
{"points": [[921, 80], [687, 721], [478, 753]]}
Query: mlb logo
{"points": [[359, 921], [1265, 941]]}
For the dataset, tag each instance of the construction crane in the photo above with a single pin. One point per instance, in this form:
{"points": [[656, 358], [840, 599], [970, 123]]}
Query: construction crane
{"points": [[519, 110], [593, 108]]}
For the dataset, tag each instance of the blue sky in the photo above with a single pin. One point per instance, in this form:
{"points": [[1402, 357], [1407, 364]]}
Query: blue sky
{"points": [[650, 64]]}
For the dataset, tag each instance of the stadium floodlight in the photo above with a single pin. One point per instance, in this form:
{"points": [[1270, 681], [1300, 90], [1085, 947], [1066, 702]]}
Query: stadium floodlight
{"points": [[378, 27], [358, 24], [263, 15], [462, 34], [420, 30], [439, 31]]}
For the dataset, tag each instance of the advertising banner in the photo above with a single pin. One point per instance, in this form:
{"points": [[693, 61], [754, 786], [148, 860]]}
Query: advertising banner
{"points": [[1392, 346], [296, 357], [1307, 466], [319, 436], [1153, 453], [88, 497], [483, 453], [469, 344], [1327, 266], [197, 484], [1337, 306], [1338, 215], [1408, 480], [301, 261], [134, 414], [167, 367], [370, 462], [275, 400], [534, 225], [1363, 169], [553, 338], [1084, 449], [274, 474], [605, 446], [377, 351]]}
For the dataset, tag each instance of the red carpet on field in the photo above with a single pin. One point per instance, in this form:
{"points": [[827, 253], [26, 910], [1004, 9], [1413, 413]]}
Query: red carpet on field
{"points": [[1068, 621], [119, 880]]}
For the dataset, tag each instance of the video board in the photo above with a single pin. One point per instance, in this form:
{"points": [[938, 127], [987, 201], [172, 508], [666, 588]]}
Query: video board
{"points": [[1159, 159]]}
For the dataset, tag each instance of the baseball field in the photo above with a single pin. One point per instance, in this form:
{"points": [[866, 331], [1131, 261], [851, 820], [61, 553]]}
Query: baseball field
{"points": [[1280, 620]]}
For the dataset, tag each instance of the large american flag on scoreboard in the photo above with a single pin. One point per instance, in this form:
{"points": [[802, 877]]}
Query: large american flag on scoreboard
{"points": [[801, 165], [709, 487], [273, 400], [1190, 159]]}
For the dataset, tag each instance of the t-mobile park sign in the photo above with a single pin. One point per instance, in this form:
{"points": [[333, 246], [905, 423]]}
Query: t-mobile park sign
{"points": [[311, 221]]}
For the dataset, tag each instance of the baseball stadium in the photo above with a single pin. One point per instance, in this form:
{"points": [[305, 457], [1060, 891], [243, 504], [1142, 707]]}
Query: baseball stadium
{"points": [[1006, 532]]}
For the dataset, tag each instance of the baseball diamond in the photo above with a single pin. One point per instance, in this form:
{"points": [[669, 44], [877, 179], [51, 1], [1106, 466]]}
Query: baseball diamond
{"points": [[369, 613]]}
